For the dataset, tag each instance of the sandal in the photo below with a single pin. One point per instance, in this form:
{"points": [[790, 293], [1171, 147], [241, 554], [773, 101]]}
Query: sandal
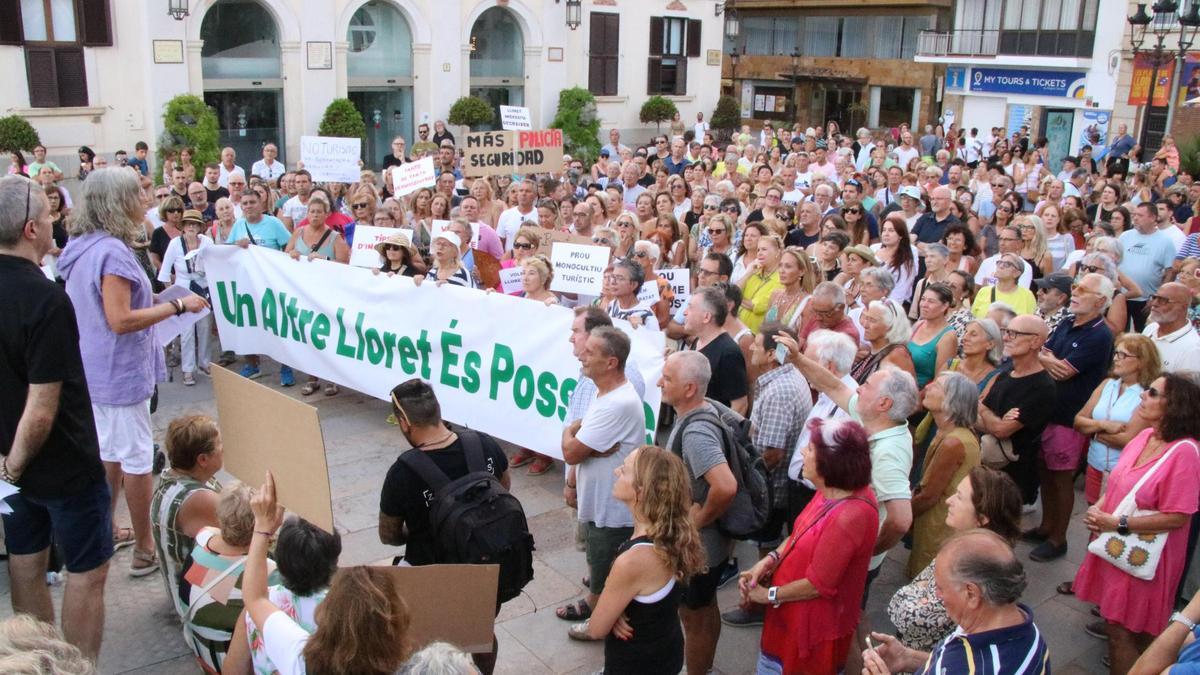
{"points": [[522, 458], [309, 388], [122, 538], [577, 611], [540, 466], [332, 389], [143, 563], [1066, 588]]}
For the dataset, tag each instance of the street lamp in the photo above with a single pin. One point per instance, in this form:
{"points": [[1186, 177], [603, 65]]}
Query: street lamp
{"points": [[1160, 25], [574, 14], [177, 9], [734, 56], [795, 80]]}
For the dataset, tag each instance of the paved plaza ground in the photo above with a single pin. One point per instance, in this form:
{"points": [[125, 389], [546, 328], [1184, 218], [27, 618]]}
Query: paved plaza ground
{"points": [[142, 633]]}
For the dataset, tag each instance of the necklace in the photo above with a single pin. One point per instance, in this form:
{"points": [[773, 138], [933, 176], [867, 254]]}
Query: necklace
{"points": [[439, 442]]}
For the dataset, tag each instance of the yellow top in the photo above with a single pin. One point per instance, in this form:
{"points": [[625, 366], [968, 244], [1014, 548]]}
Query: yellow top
{"points": [[1021, 300], [758, 292]]}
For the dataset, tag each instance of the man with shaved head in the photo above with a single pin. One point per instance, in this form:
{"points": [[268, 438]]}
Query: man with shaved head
{"points": [[979, 581], [932, 224], [1018, 406], [1177, 341]]}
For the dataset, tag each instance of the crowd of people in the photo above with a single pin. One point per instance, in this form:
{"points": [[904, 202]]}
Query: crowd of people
{"points": [[921, 337]]}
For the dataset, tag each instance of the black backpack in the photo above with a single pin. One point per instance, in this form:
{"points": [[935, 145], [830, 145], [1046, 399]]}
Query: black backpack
{"points": [[748, 511], [474, 520]]}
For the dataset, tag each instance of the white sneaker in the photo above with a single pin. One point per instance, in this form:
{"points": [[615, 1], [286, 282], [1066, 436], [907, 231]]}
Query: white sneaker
{"points": [[189, 379]]}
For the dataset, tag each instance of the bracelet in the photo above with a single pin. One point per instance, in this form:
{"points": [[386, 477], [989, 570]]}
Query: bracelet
{"points": [[178, 305], [774, 555]]}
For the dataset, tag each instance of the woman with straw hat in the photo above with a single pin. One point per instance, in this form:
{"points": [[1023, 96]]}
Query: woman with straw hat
{"points": [[182, 266], [398, 255]]}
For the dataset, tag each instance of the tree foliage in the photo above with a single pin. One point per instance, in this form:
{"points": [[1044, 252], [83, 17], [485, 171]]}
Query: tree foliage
{"points": [[1189, 156], [726, 118], [657, 109], [342, 120], [17, 134], [188, 122], [579, 123], [471, 112]]}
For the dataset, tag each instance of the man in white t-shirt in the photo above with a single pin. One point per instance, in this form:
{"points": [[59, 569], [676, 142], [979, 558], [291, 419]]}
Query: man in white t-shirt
{"points": [[229, 166], [1167, 224], [268, 167], [906, 152], [701, 127], [1173, 334], [611, 428], [296, 209], [510, 219]]}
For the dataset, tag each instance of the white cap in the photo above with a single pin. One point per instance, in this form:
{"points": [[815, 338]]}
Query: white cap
{"points": [[450, 237], [911, 191]]}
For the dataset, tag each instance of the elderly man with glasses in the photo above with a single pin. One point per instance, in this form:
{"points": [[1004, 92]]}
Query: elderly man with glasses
{"points": [[1172, 332]]}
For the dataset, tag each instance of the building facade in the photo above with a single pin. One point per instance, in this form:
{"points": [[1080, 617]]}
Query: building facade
{"points": [[98, 72], [1050, 65], [812, 61]]}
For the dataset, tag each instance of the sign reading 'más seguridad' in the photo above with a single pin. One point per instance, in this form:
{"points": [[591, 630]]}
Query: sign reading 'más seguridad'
{"points": [[499, 364], [488, 153], [331, 159]]}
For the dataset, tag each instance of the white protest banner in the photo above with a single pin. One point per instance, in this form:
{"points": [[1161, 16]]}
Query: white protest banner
{"points": [[578, 268], [363, 253], [681, 286], [649, 292], [412, 176], [499, 364], [331, 159], [513, 118], [510, 280]]}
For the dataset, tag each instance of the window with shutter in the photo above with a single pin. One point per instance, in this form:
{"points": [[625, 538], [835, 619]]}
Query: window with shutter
{"points": [[10, 22], [43, 84], [603, 54], [672, 41], [693, 38], [95, 23], [72, 79]]}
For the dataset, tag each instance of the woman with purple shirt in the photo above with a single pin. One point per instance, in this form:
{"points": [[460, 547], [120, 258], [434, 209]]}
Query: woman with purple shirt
{"points": [[116, 312]]}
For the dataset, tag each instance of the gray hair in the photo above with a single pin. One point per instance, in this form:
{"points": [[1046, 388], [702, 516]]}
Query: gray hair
{"points": [[962, 398], [636, 273], [694, 368], [938, 248], [616, 343], [19, 195], [880, 276], [901, 388], [1105, 287], [1001, 580], [1005, 308], [831, 292], [651, 250], [831, 348], [439, 658], [992, 330], [1107, 268], [899, 329], [1109, 245], [111, 203], [713, 301]]}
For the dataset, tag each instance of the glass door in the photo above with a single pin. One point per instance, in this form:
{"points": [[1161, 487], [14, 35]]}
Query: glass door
{"points": [[387, 113], [1056, 126], [248, 120], [498, 96]]}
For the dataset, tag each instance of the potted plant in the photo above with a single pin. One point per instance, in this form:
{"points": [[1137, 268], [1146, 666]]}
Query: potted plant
{"points": [[471, 112], [657, 109]]}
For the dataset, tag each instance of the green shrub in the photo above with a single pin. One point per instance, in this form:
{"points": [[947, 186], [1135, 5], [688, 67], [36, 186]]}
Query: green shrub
{"points": [[579, 123], [342, 120], [188, 122], [658, 110], [726, 118], [1189, 156], [17, 135], [471, 112]]}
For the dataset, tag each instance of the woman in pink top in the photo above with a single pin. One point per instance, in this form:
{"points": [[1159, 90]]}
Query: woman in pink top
{"points": [[1136, 610]]}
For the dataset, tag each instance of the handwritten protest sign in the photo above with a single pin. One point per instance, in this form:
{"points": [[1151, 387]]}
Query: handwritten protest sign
{"points": [[649, 292], [578, 268], [489, 153], [510, 280], [513, 118], [437, 226], [363, 253], [412, 176], [331, 159], [681, 286]]}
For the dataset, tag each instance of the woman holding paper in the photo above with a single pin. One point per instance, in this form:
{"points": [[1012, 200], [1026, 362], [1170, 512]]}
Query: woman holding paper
{"points": [[182, 261], [525, 245]]}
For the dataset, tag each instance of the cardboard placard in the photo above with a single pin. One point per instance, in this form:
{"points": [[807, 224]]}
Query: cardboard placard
{"points": [[263, 429], [331, 159], [363, 253], [510, 280], [487, 268], [549, 237], [412, 176], [578, 268], [514, 118], [681, 284], [492, 153], [450, 603]]}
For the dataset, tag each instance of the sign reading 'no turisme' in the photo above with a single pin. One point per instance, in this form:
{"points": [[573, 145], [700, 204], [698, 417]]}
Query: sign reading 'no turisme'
{"points": [[490, 153]]}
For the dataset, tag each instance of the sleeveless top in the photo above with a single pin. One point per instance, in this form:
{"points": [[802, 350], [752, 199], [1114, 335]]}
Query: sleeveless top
{"points": [[1113, 405], [172, 545], [324, 244], [656, 647], [924, 357], [791, 316], [871, 362]]}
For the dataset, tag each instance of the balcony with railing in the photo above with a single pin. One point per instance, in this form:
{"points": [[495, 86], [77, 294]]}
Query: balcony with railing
{"points": [[991, 43]]}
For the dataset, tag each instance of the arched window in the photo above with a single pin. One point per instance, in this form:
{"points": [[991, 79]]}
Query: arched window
{"points": [[241, 41], [497, 45], [380, 42]]}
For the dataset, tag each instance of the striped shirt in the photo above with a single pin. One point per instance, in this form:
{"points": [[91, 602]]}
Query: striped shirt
{"points": [[1014, 650]]}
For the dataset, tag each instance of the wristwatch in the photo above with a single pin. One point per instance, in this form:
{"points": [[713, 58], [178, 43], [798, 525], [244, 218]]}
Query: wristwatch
{"points": [[1187, 623], [1123, 526], [773, 596]]}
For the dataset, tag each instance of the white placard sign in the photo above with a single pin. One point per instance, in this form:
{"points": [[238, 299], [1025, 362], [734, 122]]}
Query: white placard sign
{"points": [[680, 281], [363, 253], [437, 226], [578, 268], [413, 176], [331, 159], [649, 292], [510, 280], [514, 118]]}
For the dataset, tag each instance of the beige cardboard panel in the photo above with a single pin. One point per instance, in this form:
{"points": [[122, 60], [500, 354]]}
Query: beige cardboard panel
{"points": [[549, 237], [263, 429], [489, 153], [451, 603]]}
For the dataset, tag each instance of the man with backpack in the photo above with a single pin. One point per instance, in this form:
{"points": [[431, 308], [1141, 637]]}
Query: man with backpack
{"points": [[438, 488], [701, 436]]}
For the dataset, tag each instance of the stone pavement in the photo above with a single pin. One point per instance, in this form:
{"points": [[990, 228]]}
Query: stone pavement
{"points": [[142, 633]]}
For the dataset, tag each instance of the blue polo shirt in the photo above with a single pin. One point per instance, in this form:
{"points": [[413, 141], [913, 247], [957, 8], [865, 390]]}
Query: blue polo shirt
{"points": [[1004, 651], [673, 168], [1189, 658], [1088, 348], [930, 230]]}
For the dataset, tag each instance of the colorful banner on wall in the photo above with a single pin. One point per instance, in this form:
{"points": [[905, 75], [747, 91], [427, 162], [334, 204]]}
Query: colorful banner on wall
{"points": [[1189, 81], [499, 364], [1143, 73]]}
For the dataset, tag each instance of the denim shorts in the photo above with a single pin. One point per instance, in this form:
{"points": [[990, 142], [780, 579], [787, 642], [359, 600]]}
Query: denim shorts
{"points": [[80, 525]]}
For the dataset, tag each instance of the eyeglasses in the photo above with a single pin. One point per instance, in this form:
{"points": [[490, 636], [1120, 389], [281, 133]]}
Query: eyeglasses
{"points": [[1161, 299], [1010, 334], [1153, 392], [716, 230], [1121, 356], [641, 254], [1004, 209], [522, 245], [1090, 269], [601, 240], [361, 205], [1006, 263], [393, 247], [1026, 226], [854, 211], [172, 210], [1077, 289], [710, 207], [729, 209]]}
